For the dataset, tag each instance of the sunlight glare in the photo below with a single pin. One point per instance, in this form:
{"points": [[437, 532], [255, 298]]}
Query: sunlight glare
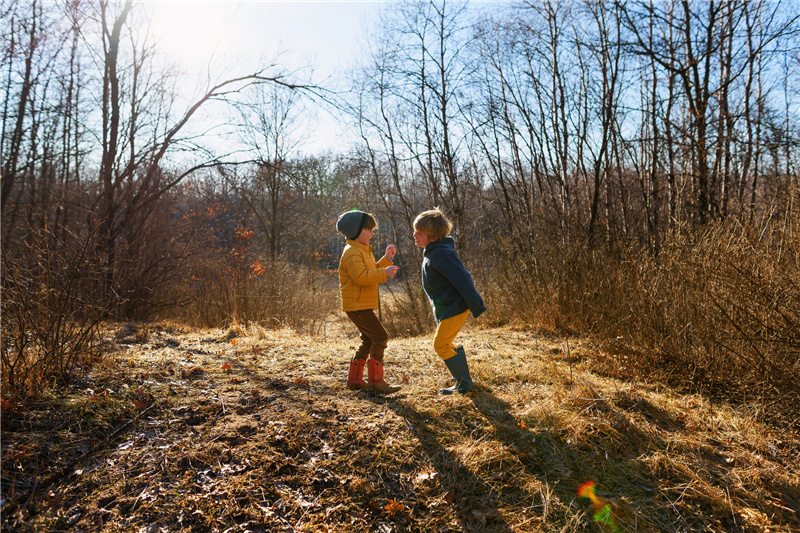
{"points": [[192, 32]]}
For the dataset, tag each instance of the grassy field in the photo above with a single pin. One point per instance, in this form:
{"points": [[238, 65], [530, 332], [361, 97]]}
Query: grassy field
{"points": [[253, 430]]}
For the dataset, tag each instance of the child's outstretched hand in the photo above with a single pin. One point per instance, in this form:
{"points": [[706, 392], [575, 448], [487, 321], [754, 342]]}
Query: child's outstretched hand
{"points": [[390, 252], [391, 271]]}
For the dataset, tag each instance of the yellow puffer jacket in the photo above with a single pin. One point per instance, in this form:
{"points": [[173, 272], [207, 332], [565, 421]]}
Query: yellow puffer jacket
{"points": [[359, 277]]}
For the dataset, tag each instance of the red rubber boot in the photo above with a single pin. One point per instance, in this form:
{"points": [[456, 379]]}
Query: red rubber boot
{"points": [[355, 377], [376, 383]]}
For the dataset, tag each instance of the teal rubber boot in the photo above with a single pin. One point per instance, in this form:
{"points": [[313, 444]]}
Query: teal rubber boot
{"points": [[460, 369]]}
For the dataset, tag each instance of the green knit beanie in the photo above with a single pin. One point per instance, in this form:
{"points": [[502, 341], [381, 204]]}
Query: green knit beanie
{"points": [[351, 223]]}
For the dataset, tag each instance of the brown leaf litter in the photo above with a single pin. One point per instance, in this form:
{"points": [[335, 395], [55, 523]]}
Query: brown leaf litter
{"points": [[253, 430]]}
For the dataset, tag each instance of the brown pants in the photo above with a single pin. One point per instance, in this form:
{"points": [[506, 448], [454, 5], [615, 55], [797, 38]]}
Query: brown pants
{"points": [[373, 335]]}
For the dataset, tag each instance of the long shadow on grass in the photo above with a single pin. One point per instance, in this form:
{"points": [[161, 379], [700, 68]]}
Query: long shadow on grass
{"points": [[611, 457], [474, 501], [546, 453]]}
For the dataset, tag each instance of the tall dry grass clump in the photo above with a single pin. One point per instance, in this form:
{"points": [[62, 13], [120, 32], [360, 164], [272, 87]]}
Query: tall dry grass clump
{"points": [[716, 311], [553, 286], [274, 294], [406, 313], [722, 308]]}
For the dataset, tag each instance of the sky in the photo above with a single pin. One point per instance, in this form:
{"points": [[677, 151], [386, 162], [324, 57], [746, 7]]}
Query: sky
{"points": [[328, 35]]}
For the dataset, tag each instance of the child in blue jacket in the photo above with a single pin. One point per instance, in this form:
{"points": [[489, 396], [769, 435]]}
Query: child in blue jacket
{"points": [[450, 290]]}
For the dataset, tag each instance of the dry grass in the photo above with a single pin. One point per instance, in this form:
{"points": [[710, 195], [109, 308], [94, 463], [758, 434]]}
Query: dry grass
{"points": [[272, 294], [716, 311], [251, 429]]}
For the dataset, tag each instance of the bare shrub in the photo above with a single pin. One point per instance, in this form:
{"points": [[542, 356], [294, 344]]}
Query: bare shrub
{"points": [[53, 303], [555, 290], [722, 307], [718, 310]]}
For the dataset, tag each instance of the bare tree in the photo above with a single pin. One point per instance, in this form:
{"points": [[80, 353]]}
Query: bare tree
{"points": [[133, 181], [135, 129], [708, 64], [269, 127]]}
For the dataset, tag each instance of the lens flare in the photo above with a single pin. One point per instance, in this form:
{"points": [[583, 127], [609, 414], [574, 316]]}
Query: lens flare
{"points": [[601, 508]]}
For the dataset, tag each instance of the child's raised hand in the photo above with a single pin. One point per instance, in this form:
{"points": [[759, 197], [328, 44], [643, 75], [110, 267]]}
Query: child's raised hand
{"points": [[391, 271], [390, 251]]}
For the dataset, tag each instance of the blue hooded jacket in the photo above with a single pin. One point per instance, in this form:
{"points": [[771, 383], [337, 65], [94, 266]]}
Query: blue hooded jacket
{"points": [[447, 283]]}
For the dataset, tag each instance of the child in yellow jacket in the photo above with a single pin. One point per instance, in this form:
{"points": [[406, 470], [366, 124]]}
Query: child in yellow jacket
{"points": [[359, 277]]}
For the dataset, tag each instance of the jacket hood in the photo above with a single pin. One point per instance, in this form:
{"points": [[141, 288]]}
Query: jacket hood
{"points": [[447, 242]]}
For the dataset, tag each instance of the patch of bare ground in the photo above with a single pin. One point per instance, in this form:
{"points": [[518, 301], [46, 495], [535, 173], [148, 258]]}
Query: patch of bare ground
{"points": [[253, 430]]}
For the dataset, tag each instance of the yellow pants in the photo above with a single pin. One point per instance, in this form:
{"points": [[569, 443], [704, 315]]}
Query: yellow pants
{"points": [[446, 333]]}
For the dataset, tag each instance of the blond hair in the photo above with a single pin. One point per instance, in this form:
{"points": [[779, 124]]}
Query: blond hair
{"points": [[433, 223]]}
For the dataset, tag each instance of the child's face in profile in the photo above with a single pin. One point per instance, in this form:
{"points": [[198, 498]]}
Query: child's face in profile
{"points": [[422, 239], [366, 235]]}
